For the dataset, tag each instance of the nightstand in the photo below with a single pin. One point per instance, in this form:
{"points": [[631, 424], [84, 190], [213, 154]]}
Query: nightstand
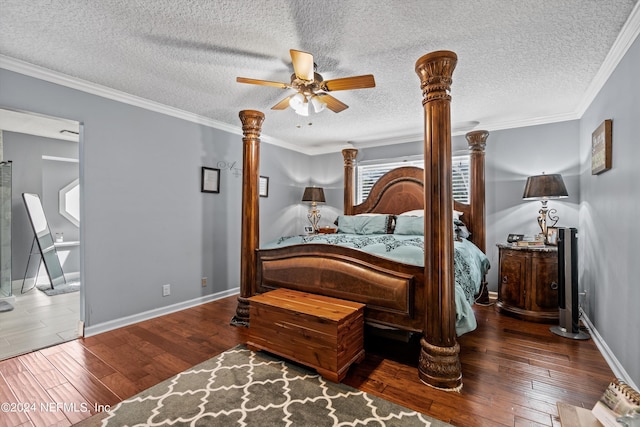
{"points": [[528, 283]]}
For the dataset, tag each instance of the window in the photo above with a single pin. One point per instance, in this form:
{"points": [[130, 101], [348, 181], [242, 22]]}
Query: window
{"points": [[368, 174]]}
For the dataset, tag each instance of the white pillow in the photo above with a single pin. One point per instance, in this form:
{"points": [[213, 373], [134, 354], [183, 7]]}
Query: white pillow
{"points": [[417, 212], [420, 212]]}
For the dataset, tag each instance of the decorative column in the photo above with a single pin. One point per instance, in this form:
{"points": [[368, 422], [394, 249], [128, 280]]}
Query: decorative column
{"points": [[349, 155], [439, 364], [251, 127]]}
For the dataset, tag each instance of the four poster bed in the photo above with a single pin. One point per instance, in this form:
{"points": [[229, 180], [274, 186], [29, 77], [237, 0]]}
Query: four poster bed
{"points": [[415, 298], [376, 258]]}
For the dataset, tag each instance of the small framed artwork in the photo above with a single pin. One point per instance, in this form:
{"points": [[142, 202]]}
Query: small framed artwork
{"points": [[210, 180], [601, 148], [308, 229], [264, 186], [552, 236]]}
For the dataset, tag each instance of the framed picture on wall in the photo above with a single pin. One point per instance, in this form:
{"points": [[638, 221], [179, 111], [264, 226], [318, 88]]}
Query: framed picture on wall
{"points": [[264, 186], [601, 148], [210, 180]]}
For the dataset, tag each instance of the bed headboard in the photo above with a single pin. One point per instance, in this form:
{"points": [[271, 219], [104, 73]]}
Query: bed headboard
{"points": [[402, 189], [398, 191]]}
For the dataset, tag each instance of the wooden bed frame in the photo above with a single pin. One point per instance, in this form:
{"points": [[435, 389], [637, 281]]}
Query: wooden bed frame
{"points": [[402, 296]]}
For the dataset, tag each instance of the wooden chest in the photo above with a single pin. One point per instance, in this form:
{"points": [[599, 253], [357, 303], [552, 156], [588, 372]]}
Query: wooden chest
{"points": [[324, 333]]}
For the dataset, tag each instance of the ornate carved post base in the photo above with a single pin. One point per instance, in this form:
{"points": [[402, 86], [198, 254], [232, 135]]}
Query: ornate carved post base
{"points": [[251, 127], [439, 367], [241, 317]]}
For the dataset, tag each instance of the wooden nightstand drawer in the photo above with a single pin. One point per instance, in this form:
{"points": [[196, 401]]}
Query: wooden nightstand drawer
{"points": [[528, 283]]}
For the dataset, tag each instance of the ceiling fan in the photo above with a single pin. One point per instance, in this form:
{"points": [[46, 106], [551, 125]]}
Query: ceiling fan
{"points": [[311, 88]]}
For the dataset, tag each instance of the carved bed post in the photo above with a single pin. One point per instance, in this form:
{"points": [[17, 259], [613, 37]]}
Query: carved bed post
{"points": [[477, 141], [251, 127], [439, 364], [349, 155]]}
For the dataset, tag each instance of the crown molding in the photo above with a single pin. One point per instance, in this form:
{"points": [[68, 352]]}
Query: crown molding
{"points": [[35, 71], [621, 45]]}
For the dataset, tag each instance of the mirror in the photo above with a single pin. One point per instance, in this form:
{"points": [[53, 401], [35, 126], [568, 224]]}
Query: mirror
{"points": [[43, 237]]}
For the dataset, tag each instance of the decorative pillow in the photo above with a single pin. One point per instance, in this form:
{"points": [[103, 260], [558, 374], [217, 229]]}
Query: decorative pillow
{"points": [[363, 224], [412, 225], [391, 220], [460, 230]]}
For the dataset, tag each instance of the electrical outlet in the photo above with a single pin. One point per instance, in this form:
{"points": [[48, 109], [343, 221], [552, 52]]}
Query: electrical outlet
{"points": [[166, 290], [204, 282]]}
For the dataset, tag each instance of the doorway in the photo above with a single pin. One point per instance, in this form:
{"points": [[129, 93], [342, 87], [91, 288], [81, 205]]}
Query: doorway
{"points": [[44, 155]]}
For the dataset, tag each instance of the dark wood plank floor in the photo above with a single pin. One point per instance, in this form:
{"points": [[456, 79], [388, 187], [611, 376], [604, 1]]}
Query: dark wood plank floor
{"points": [[514, 372]]}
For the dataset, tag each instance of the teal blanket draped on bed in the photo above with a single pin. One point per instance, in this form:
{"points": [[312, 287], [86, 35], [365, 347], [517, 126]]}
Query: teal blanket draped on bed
{"points": [[470, 263]]}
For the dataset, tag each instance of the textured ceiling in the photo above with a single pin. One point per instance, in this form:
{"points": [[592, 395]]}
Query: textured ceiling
{"points": [[519, 63]]}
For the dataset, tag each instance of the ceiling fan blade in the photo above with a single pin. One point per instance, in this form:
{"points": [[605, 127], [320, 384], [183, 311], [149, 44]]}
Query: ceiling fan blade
{"points": [[346, 83], [282, 105], [332, 103], [302, 64], [262, 82]]}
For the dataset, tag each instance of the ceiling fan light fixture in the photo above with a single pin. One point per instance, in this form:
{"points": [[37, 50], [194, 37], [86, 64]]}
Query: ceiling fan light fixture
{"points": [[318, 105], [308, 83], [300, 104], [296, 101]]}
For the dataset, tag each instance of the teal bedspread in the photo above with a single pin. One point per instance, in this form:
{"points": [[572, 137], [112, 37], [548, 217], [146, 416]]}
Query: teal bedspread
{"points": [[470, 262]]}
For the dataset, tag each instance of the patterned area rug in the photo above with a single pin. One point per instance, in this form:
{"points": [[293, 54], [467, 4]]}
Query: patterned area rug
{"points": [[244, 388]]}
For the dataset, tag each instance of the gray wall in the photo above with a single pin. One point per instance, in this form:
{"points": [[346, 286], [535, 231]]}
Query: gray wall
{"points": [[513, 155], [610, 203], [33, 174], [145, 222]]}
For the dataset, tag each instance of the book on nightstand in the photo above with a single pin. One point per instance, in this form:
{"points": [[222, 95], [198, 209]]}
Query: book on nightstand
{"points": [[619, 401], [531, 244]]}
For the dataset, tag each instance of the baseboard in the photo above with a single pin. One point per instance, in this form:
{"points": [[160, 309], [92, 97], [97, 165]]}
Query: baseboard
{"points": [[609, 357], [130, 320]]}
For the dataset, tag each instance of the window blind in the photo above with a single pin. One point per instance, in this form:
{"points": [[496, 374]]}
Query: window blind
{"points": [[367, 175]]}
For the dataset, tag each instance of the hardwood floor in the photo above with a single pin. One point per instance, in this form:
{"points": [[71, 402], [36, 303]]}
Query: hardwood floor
{"points": [[514, 372]]}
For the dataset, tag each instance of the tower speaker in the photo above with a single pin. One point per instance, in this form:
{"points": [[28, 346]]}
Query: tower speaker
{"points": [[569, 314]]}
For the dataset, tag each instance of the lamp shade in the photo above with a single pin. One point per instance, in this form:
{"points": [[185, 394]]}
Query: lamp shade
{"points": [[545, 187], [313, 194]]}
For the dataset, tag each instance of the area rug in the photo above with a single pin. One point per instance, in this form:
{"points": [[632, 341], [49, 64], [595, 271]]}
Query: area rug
{"points": [[63, 288], [244, 388]]}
